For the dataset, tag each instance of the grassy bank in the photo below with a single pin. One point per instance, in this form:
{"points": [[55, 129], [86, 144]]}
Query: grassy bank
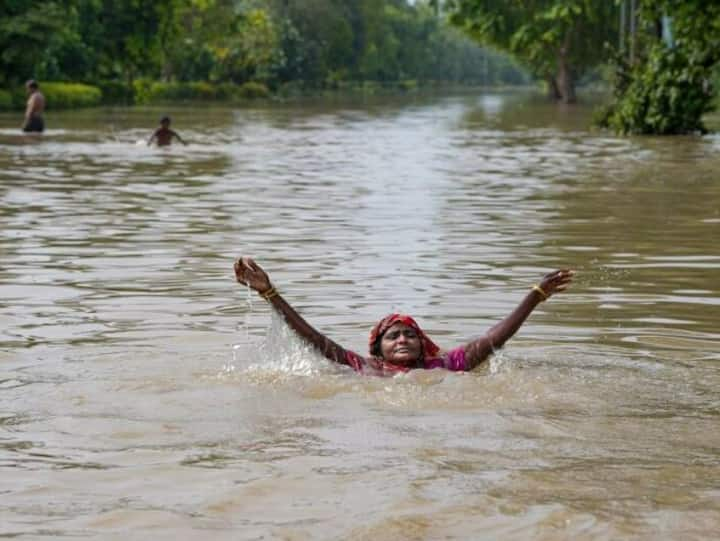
{"points": [[139, 92], [146, 92]]}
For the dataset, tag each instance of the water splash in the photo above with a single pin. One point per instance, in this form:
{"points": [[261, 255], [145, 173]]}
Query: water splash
{"points": [[244, 329], [279, 353], [498, 363]]}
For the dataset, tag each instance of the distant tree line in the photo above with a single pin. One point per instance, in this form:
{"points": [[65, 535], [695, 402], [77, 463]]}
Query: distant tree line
{"points": [[317, 43]]}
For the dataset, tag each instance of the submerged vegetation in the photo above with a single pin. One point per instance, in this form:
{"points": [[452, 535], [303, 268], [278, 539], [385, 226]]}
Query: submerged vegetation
{"points": [[662, 64], [664, 76]]}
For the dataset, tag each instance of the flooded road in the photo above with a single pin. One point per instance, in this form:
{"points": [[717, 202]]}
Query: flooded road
{"points": [[144, 394]]}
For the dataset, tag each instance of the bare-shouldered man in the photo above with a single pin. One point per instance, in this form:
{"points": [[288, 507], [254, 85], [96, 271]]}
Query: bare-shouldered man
{"points": [[35, 107]]}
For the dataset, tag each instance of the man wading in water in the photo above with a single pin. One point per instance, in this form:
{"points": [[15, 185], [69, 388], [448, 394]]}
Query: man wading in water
{"points": [[34, 122]]}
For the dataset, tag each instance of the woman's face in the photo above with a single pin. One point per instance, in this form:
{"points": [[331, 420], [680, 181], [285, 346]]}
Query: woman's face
{"points": [[400, 345]]}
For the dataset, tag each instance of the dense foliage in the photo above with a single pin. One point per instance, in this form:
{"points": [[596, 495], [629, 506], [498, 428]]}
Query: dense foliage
{"points": [[667, 87], [558, 40], [69, 95], [113, 43], [5, 99]]}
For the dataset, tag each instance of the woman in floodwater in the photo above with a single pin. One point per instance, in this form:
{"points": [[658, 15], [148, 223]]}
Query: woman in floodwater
{"points": [[397, 344]]}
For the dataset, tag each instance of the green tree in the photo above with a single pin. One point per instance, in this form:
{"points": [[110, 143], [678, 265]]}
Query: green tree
{"points": [[666, 87], [200, 38], [319, 42], [133, 34], [27, 30], [247, 53], [316, 40], [557, 40]]}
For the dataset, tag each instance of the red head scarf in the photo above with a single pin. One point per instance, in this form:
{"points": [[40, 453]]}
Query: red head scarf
{"points": [[430, 348]]}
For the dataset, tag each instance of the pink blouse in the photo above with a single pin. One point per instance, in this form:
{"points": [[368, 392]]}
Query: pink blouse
{"points": [[453, 360]]}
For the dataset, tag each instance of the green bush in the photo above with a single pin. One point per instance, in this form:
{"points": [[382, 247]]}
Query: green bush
{"points": [[666, 94], [70, 95], [226, 91], [150, 92], [291, 89], [408, 85], [141, 90], [253, 90], [181, 91], [371, 87], [117, 92], [6, 101], [146, 91]]}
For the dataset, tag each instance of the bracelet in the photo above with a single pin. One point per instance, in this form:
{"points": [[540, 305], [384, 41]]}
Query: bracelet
{"points": [[544, 295], [269, 293]]}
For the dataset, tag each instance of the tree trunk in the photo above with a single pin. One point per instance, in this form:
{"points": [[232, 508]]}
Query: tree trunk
{"points": [[564, 78], [565, 83], [167, 69], [552, 89]]}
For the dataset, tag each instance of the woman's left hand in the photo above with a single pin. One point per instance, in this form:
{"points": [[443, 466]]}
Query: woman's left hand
{"points": [[556, 281]]}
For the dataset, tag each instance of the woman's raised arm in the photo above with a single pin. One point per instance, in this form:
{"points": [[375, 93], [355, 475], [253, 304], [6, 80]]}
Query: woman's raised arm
{"points": [[252, 275], [479, 350]]}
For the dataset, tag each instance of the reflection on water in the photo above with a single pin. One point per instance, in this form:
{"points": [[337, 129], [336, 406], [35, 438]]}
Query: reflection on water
{"points": [[142, 390]]}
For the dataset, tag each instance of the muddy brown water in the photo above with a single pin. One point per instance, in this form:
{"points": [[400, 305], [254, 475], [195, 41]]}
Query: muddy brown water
{"points": [[144, 394]]}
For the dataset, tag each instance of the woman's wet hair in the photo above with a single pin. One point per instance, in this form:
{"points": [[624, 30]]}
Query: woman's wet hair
{"points": [[32, 83], [375, 349], [165, 119]]}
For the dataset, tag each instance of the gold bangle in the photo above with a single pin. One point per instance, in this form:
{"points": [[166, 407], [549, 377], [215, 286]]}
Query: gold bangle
{"points": [[544, 295], [270, 293]]}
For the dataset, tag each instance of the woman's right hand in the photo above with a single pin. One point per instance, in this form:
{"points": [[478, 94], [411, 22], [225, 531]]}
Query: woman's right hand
{"points": [[249, 273], [556, 282]]}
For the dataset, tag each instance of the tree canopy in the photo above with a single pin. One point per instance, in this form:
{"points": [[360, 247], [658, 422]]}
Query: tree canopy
{"points": [[557, 40], [314, 42], [665, 86]]}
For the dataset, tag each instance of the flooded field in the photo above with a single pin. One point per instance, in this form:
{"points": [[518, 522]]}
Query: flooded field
{"points": [[146, 395]]}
